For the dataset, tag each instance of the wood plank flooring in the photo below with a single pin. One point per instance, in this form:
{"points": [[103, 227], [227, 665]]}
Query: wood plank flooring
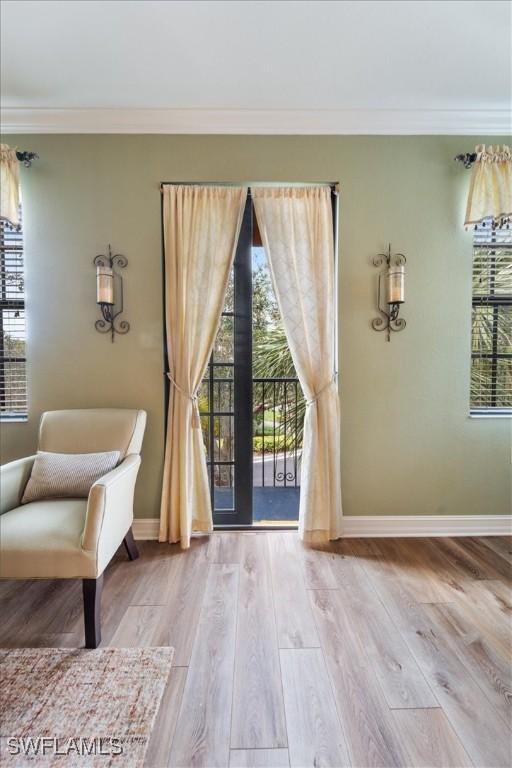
{"points": [[365, 652]]}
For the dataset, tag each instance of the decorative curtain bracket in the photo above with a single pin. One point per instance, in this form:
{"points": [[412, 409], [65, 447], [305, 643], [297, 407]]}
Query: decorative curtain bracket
{"points": [[467, 159], [26, 157]]}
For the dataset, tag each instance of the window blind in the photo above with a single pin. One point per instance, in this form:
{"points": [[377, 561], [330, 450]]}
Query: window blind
{"points": [[491, 342], [13, 378]]}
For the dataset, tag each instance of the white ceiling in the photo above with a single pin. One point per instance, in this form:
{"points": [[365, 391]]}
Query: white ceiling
{"points": [[257, 66]]}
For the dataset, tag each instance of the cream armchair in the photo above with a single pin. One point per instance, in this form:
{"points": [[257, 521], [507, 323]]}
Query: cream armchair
{"points": [[74, 538]]}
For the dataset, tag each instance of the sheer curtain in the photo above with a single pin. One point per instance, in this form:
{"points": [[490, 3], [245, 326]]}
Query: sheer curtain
{"points": [[201, 228], [490, 189], [296, 226]]}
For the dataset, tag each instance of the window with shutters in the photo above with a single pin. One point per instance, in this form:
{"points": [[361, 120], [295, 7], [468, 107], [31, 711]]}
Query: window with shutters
{"points": [[13, 377], [491, 344]]}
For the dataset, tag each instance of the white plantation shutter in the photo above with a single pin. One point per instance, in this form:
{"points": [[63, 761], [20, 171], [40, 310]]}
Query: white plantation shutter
{"points": [[491, 347], [13, 379]]}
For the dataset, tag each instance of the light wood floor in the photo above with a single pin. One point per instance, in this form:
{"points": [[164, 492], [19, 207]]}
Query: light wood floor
{"points": [[368, 652]]}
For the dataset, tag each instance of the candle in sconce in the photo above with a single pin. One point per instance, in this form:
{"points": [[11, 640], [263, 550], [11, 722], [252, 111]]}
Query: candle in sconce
{"points": [[104, 285], [395, 284]]}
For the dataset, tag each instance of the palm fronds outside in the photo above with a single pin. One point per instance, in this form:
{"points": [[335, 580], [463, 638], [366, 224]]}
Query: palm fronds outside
{"points": [[272, 360]]}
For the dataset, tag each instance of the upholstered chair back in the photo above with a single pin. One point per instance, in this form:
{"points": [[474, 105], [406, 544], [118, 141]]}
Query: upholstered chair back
{"points": [[92, 430]]}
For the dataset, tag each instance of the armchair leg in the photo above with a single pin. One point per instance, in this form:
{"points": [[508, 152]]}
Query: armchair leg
{"points": [[131, 547], [92, 611]]}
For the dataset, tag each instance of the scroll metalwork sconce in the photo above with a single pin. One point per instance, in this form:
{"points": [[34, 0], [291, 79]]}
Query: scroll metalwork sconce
{"points": [[109, 293], [391, 292]]}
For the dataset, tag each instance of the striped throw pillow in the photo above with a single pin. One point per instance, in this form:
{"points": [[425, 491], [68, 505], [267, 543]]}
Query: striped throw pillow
{"points": [[67, 475]]}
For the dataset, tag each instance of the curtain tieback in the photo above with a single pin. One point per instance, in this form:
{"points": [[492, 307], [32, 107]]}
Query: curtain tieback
{"points": [[320, 392], [196, 421]]}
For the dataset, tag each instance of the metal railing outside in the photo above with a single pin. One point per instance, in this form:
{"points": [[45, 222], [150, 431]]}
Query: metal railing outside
{"points": [[277, 432]]}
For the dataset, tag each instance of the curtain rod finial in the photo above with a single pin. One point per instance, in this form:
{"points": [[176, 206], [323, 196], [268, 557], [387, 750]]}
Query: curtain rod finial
{"points": [[466, 159]]}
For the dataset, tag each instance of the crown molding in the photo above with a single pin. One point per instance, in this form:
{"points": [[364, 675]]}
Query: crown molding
{"points": [[232, 121]]}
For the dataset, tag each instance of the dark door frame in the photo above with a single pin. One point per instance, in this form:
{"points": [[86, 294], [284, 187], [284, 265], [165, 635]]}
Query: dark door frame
{"points": [[241, 514]]}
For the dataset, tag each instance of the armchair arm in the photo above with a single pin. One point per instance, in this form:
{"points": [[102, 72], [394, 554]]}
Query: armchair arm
{"points": [[13, 479], [110, 510]]}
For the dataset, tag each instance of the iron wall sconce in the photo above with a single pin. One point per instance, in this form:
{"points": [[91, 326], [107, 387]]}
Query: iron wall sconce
{"points": [[109, 293], [391, 292]]}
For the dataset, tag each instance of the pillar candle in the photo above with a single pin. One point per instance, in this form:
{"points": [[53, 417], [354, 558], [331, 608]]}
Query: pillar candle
{"points": [[395, 284], [104, 285]]}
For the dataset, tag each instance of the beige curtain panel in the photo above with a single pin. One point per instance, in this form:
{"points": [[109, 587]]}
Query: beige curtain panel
{"points": [[296, 226], [490, 190], [9, 185], [201, 228]]}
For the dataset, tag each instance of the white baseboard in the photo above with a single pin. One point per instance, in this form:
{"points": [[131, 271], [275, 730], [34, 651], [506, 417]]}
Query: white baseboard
{"points": [[427, 525], [146, 529], [389, 525]]}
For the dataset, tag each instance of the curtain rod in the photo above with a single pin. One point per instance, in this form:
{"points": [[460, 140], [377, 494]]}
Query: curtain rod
{"points": [[333, 185], [26, 157]]}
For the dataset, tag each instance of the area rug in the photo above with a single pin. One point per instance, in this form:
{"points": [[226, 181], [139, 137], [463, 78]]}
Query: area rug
{"points": [[74, 707]]}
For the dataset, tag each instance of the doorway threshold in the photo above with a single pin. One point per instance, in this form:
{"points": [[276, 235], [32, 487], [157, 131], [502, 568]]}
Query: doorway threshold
{"points": [[256, 527]]}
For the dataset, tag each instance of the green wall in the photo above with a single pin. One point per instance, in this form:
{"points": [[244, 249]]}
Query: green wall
{"points": [[408, 444]]}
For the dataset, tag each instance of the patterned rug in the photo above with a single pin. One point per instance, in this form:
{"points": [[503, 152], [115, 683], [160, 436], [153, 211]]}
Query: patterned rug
{"points": [[73, 707]]}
